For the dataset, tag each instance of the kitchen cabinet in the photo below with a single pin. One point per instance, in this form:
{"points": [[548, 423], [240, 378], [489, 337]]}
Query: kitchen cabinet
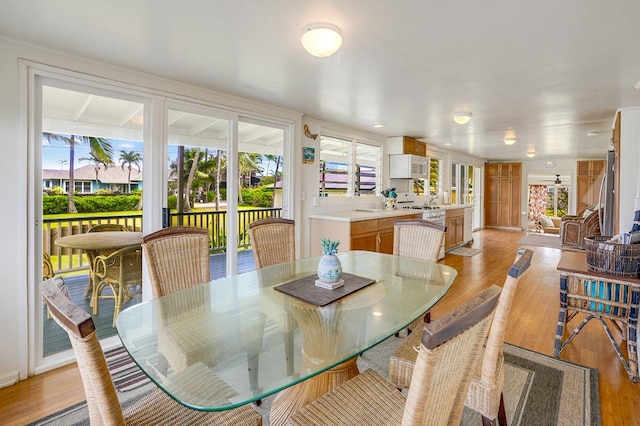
{"points": [[406, 145], [589, 178], [370, 234], [454, 221], [503, 186]]}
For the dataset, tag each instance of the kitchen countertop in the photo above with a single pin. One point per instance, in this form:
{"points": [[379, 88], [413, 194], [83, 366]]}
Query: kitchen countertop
{"points": [[358, 215]]}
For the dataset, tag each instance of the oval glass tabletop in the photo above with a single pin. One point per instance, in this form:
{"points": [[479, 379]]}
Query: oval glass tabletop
{"points": [[256, 340]]}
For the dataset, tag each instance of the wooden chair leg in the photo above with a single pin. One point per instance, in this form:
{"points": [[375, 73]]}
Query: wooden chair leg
{"points": [[502, 415]]}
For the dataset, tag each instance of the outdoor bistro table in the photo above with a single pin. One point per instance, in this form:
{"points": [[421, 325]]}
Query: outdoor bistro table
{"points": [[235, 325], [95, 242], [602, 297]]}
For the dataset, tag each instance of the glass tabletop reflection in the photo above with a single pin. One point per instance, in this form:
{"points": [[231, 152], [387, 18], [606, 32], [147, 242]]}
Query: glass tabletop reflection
{"points": [[257, 340]]}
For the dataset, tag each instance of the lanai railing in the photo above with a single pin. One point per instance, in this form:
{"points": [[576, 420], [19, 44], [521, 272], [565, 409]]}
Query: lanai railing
{"points": [[71, 260]]}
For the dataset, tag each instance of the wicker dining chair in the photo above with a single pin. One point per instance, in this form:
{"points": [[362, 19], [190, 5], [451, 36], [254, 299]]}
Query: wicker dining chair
{"points": [[485, 391], [447, 353], [273, 242], [418, 239], [177, 258], [121, 271], [155, 408]]}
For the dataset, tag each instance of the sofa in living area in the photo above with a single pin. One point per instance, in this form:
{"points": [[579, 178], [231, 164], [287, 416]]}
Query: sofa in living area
{"points": [[573, 228], [549, 225]]}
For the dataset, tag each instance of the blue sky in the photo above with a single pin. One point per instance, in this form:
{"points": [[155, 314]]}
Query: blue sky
{"points": [[55, 152]]}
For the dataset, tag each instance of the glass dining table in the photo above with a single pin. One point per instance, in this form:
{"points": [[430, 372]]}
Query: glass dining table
{"points": [[259, 340]]}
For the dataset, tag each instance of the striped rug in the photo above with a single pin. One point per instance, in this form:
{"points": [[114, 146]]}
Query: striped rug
{"points": [[125, 373]]}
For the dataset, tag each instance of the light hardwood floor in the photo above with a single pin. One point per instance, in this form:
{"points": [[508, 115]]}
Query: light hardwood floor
{"points": [[532, 325]]}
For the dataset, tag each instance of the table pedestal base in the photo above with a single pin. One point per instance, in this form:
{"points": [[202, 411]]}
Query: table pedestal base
{"points": [[294, 398]]}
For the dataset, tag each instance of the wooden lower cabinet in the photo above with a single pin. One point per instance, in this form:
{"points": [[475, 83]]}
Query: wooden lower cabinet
{"points": [[370, 235], [454, 220]]}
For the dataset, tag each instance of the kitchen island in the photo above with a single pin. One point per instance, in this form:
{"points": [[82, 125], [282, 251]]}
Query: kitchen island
{"points": [[371, 229]]}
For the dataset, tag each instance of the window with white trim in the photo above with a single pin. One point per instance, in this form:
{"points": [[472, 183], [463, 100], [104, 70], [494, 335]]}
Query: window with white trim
{"points": [[348, 168]]}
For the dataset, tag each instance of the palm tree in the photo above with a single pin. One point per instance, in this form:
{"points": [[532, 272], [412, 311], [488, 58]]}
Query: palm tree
{"points": [[129, 159], [95, 159], [100, 146]]}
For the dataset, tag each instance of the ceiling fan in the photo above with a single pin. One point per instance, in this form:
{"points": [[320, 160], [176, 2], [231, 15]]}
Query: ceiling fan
{"points": [[557, 182]]}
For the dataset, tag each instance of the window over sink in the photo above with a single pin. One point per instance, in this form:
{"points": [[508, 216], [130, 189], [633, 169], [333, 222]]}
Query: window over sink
{"points": [[348, 168]]}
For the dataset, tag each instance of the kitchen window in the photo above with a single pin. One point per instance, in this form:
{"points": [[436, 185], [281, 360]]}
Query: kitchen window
{"points": [[435, 176], [348, 168]]}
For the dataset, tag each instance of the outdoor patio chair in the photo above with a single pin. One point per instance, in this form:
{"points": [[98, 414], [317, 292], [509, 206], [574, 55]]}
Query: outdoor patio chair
{"points": [[273, 242], [485, 391], [447, 353], [121, 271], [102, 227], [155, 408], [418, 239]]}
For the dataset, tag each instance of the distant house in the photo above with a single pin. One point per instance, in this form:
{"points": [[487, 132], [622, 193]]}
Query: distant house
{"points": [[112, 179]]}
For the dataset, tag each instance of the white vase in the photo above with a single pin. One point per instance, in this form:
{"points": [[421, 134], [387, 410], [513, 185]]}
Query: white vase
{"points": [[329, 268]]}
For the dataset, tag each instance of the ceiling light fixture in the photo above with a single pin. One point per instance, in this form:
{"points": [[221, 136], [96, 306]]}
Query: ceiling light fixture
{"points": [[509, 141], [378, 126], [321, 39], [558, 182], [462, 117], [531, 154]]}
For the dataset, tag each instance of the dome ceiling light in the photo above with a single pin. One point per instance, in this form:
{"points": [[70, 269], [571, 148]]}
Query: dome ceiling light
{"points": [[462, 117], [531, 154], [321, 39], [509, 141]]}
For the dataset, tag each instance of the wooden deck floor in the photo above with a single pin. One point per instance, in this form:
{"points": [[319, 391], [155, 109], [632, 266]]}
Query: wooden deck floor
{"points": [[56, 340]]}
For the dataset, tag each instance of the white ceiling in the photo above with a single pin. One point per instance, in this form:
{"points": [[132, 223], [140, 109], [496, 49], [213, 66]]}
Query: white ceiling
{"points": [[547, 71]]}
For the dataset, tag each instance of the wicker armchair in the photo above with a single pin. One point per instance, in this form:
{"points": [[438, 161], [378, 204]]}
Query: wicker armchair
{"points": [[155, 408], [273, 242], [102, 227], [573, 229], [121, 271], [448, 350], [418, 239], [485, 391]]}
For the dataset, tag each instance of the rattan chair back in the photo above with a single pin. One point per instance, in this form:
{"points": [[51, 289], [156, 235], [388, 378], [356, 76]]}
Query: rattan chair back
{"points": [[156, 407], [102, 400], [485, 392], [273, 241], [177, 258], [47, 266], [108, 227], [418, 239]]}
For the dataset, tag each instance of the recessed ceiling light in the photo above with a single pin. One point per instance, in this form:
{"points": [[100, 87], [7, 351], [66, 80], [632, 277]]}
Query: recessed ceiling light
{"points": [[462, 117], [531, 154], [378, 125], [509, 141], [593, 133], [447, 144]]}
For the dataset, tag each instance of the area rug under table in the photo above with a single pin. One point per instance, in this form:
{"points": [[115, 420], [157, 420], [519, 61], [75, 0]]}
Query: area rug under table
{"points": [[539, 390]]}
